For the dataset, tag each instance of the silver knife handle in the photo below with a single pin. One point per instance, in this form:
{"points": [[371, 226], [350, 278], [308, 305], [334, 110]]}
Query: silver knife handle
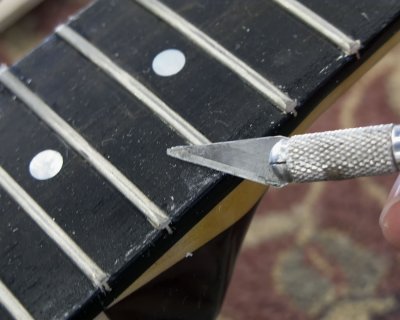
{"points": [[340, 154]]}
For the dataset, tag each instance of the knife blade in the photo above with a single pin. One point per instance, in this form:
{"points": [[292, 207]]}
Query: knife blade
{"points": [[278, 160]]}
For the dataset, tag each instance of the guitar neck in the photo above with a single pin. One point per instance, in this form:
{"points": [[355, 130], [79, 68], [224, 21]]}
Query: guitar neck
{"points": [[93, 94]]}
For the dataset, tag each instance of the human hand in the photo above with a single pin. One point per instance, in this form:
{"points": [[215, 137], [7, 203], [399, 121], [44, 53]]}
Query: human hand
{"points": [[390, 216]]}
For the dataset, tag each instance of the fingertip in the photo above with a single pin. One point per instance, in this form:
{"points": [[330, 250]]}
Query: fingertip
{"points": [[395, 192], [390, 222]]}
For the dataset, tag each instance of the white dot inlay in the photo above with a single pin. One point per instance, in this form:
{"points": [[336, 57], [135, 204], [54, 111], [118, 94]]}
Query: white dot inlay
{"points": [[168, 62], [46, 164]]}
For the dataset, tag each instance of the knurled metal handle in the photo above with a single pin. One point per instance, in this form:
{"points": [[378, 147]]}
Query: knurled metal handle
{"points": [[340, 154]]}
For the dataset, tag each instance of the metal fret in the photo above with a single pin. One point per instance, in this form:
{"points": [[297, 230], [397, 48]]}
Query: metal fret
{"points": [[97, 276], [348, 45], [152, 212], [218, 52], [12, 304], [160, 108]]}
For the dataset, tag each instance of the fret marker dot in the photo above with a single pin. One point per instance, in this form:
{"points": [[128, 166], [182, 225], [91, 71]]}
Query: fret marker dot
{"points": [[168, 62], [46, 164]]}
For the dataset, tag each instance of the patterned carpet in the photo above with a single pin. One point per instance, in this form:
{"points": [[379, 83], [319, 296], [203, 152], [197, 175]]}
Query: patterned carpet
{"points": [[313, 251], [316, 251]]}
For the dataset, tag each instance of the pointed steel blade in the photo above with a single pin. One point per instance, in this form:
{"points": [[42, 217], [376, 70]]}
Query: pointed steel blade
{"points": [[247, 159]]}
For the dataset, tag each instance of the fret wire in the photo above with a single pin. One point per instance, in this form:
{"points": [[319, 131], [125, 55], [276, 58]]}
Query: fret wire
{"points": [[218, 52], [348, 45], [159, 107], [97, 276], [152, 212], [12, 304]]}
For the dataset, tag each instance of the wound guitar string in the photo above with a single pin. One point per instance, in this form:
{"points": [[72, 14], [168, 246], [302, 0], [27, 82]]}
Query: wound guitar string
{"points": [[96, 275], [348, 45], [159, 107], [152, 212], [280, 99]]}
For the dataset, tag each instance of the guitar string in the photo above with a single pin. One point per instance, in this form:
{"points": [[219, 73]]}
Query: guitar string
{"points": [[159, 107], [152, 212], [348, 45], [12, 304], [97, 276], [218, 52]]}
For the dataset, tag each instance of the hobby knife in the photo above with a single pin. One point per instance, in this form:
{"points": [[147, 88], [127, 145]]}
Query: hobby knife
{"points": [[278, 160]]}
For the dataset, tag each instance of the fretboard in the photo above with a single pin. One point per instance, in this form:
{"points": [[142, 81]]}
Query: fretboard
{"points": [[118, 197]]}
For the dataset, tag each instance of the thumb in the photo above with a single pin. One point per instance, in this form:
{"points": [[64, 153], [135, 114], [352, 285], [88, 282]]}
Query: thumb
{"points": [[390, 216]]}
